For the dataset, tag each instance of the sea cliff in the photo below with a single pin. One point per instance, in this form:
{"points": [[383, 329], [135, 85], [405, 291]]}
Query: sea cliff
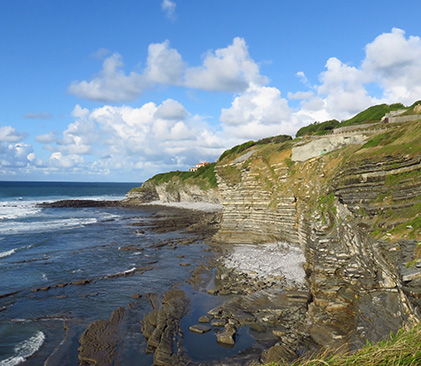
{"points": [[352, 205]]}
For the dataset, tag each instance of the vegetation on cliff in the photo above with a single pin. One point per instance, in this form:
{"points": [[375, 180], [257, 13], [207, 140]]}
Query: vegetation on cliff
{"points": [[415, 108], [401, 349], [317, 128], [203, 177], [371, 114], [237, 150]]}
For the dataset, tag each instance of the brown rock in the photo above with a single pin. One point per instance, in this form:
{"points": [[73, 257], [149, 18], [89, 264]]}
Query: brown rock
{"points": [[98, 343], [279, 353], [218, 322], [200, 328], [227, 336], [205, 319], [212, 291]]}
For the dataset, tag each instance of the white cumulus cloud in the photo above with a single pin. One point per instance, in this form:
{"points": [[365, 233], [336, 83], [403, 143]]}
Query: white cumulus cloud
{"points": [[392, 63], [164, 64], [111, 84], [9, 134], [258, 112], [226, 69], [149, 139], [15, 155]]}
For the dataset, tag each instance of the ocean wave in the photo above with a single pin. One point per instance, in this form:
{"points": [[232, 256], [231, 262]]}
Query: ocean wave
{"points": [[25, 349], [11, 210], [43, 226], [13, 251], [6, 254]]}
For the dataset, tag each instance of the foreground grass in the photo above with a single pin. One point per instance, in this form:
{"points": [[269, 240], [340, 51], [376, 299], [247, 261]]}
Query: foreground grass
{"points": [[402, 349]]}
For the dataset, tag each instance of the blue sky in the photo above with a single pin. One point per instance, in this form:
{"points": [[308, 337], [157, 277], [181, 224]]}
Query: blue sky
{"points": [[101, 90]]}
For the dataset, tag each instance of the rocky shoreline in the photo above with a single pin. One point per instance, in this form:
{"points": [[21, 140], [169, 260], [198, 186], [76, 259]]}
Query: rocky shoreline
{"points": [[252, 299]]}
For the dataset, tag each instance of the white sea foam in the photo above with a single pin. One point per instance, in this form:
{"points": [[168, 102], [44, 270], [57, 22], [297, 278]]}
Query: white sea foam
{"points": [[266, 260], [6, 254], [10, 210], [25, 349], [132, 270], [13, 251], [42, 226]]}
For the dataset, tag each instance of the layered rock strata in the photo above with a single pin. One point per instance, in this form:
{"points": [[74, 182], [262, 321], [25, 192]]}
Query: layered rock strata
{"points": [[173, 191], [332, 206], [161, 326]]}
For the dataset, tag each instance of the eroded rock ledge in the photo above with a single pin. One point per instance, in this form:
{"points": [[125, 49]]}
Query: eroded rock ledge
{"points": [[350, 211]]}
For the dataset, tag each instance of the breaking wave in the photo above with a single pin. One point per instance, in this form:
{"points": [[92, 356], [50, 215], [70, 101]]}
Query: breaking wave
{"points": [[25, 349]]}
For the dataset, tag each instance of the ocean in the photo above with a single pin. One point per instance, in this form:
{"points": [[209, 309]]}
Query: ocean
{"points": [[41, 249]]}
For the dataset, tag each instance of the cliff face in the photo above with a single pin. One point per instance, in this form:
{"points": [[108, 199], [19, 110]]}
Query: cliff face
{"points": [[353, 206], [177, 186], [173, 191], [355, 214]]}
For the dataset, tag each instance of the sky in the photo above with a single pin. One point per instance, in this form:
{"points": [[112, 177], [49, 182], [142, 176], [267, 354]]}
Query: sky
{"points": [[118, 91]]}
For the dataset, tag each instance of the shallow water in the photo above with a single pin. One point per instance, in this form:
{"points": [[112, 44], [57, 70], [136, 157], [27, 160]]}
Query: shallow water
{"points": [[49, 246]]}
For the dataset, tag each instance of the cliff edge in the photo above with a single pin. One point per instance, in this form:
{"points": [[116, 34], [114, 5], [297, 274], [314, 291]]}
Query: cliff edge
{"points": [[355, 211], [350, 200]]}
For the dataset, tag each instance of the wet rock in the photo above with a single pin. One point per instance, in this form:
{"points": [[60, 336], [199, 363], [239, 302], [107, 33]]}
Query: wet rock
{"points": [[227, 336], [149, 323], [98, 343], [199, 328], [131, 248], [80, 204], [10, 294], [90, 294], [218, 322], [278, 333], [161, 327], [136, 296], [205, 319], [185, 264], [212, 291], [80, 282]]}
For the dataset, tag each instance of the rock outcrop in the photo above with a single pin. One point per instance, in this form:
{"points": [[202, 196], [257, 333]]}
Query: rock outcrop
{"points": [[355, 214], [172, 191], [353, 210], [161, 327]]}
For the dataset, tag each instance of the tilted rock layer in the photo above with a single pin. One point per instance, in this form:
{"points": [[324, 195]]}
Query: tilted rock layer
{"points": [[355, 214]]}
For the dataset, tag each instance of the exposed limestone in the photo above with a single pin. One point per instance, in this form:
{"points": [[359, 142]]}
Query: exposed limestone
{"points": [[200, 328], [98, 344], [227, 335], [252, 209], [173, 191], [361, 287], [161, 326], [323, 145]]}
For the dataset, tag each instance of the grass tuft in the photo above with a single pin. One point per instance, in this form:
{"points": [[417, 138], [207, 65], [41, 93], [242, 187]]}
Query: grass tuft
{"points": [[401, 349]]}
